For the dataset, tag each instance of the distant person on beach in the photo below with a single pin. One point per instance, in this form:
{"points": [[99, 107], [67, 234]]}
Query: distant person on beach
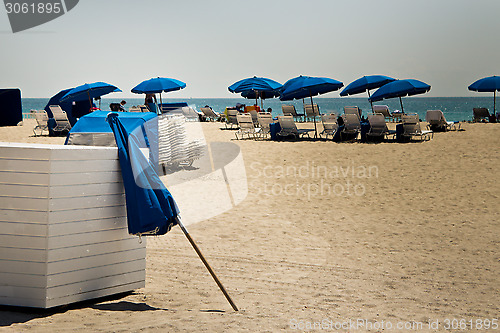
{"points": [[150, 102], [122, 106]]}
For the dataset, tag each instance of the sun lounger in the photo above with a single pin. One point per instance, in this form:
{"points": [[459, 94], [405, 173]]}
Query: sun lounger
{"points": [[246, 126], [480, 114], [288, 128], [265, 119], [352, 126], [61, 118], [190, 114], [384, 110], [437, 122], [411, 127], [41, 121], [330, 125], [289, 110], [311, 111], [231, 118], [254, 115], [352, 110], [378, 127], [210, 114]]}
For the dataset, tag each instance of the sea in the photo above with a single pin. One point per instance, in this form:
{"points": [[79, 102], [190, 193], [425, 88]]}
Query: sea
{"points": [[454, 108]]}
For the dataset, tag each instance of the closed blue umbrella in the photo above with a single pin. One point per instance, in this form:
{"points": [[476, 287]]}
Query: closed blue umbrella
{"points": [[308, 86], [255, 87], [158, 85], [89, 91], [151, 209], [400, 88], [488, 84], [366, 83]]}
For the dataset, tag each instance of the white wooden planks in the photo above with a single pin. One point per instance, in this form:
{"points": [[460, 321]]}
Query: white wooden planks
{"points": [[63, 228]]}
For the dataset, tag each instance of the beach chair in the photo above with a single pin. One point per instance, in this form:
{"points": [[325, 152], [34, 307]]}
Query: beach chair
{"points": [[378, 127], [265, 119], [254, 115], [411, 127], [61, 119], [352, 110], [288, 128], [311, 111], [437, 122], [330, 125], [289, 110], [134, 109], [190, 114], [352, 126], [210, 114], [231, 118], [246, 126], [42, 120], [480, 114], [384, 110]]}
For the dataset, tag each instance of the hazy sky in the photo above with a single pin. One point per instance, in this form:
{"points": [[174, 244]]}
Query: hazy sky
{"points": [[211, 44]]}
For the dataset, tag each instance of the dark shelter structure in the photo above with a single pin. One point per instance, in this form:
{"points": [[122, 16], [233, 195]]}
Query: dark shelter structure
{"points": [[11, 110]]}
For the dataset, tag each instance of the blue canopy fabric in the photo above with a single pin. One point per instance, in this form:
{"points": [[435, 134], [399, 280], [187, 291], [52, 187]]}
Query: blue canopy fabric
{"points": [[308, 86], [151, 209], [254, 84], [158, 85], [95, 122], [365, 83], [400, 88], [486, 84], [88, 91]]}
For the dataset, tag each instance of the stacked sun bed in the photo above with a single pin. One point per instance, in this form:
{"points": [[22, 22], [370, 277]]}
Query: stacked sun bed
{"points": [[63, 228]]}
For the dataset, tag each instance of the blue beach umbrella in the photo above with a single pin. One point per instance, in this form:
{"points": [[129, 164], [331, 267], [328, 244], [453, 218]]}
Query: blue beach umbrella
{"points": [[488, 84], [151, 209], [308, 86], [400, 88], [89, 91], [366, 83], [158, 85], [255, 87]]}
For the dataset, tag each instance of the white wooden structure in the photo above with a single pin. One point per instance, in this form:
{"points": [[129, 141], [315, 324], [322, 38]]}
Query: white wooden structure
{"points": [[63, 228]]}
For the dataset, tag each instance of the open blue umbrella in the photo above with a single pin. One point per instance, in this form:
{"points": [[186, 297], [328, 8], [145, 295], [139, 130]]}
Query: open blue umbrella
{"points": [[89, 91], [158, 85], [488, 84], [400, 88], [308, 86], [366, 83], [255, 87]]}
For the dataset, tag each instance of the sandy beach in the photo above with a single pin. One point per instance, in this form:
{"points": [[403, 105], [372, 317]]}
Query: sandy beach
{"points": [[331, 236]]}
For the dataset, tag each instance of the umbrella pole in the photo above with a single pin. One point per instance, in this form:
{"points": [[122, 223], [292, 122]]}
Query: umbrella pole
{"points": [[159, 108], [195, 247], [314, 118], [401, 102], [371, 103], [494, 102]]}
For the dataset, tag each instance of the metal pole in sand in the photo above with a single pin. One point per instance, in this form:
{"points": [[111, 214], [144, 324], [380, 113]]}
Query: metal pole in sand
{"points": [[195, 247]]}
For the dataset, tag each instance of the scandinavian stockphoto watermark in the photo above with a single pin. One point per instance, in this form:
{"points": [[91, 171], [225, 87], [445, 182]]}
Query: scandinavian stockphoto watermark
{"points": [[26, 14], [311, 180]]}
